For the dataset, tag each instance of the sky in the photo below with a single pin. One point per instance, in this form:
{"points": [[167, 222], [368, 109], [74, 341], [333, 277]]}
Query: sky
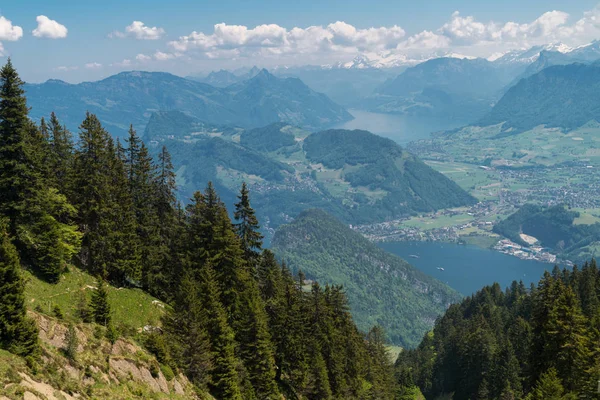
{"points": [[83, 40]]}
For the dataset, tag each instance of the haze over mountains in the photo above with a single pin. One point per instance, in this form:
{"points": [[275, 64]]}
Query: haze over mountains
{"points": [[131, 97]]}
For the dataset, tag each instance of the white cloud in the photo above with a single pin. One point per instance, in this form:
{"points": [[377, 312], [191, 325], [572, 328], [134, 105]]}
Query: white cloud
{"points": [[273, 39], [143, 58], [140, 31], [8, 31], [125, 63], [271, 44], [66, 69], [160, 56], [93, 65], [48, 28], [425, 40]]}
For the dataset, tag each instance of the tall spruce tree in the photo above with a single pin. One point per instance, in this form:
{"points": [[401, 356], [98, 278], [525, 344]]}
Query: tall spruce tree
{"points": [[18, 179], [225, 381], [247, 226], [61, 156], [18, 333], [187, 333]]}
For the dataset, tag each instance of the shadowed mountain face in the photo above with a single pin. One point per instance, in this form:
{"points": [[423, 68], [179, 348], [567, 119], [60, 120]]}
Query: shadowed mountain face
{"points": [[563, 96], [452, 88], [131, 97]]}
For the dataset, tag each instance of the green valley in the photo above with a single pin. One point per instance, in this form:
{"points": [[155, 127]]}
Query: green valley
{"points": [[354, 175]]}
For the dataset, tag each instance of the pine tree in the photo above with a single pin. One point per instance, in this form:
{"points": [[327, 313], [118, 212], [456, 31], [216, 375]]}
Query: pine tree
{"points": [[247, 226], [256, 348], [187, 335], [567, 333], [99, 304], [225, 382], [18, 333], [549, 387], [61, 156], [18, 179]]}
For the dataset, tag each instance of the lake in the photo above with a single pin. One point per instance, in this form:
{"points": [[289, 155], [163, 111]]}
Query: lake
{"points": [[400, 128], [467, 268]]}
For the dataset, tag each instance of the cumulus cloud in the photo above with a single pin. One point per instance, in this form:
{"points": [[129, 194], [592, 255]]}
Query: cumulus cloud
{"points": [[276, 40], [139, 30], [341, 41], [93, 65], [143, 58], [8, 31], [66, 68], [48, 28]]}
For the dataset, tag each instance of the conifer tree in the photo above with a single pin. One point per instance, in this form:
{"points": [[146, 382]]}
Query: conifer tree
{"points": [[18, 333], [99, 304], [61, 156], [188, 338], [225, 383], [256, 348], [247, 226], [18, 179]]}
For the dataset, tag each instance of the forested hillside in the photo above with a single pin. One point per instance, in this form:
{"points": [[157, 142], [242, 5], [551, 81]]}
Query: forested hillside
{"points": [[382, 289], [553, 227], [561, 96], [237, 324], [535, 343]]}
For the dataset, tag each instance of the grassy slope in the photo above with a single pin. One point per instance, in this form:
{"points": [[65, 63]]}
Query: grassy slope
{"points": [[131, 376], [130, 307]]}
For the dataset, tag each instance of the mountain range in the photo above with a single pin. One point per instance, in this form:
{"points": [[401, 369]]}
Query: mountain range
{"points": [[452, 88], [560, 96], [131, 97]]}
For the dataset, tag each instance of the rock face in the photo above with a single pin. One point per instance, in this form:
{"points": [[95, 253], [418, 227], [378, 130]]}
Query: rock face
{"points": [[122, 370]]}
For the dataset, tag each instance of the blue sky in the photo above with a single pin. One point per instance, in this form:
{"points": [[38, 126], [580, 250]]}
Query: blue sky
{"points": [[87, 40]]}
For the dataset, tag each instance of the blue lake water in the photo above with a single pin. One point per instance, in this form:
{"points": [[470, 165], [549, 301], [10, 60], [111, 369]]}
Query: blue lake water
{"points": [[467, 268], [400, 128]]}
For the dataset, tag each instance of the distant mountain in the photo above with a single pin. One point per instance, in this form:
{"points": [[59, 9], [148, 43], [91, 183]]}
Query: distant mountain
{"points": [[355, 175], [560, 55], [386, 60], [132, 97], [453, 88], [224, 78], [562, 96], [345, 86], [382, 289], [529, 55]]}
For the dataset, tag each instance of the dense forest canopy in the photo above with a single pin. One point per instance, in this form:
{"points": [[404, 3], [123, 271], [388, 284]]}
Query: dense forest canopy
{"points": [[533, 343], [238, 325]]}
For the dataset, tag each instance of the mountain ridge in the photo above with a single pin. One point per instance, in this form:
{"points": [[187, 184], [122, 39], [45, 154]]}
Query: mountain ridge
{"points": [[130, 97]]}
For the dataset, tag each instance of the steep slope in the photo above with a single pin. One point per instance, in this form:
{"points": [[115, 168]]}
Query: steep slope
{"points": [[382, 289], [450, 87], [355, 175], [564, 96], [98, 368], [131, 97]]}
